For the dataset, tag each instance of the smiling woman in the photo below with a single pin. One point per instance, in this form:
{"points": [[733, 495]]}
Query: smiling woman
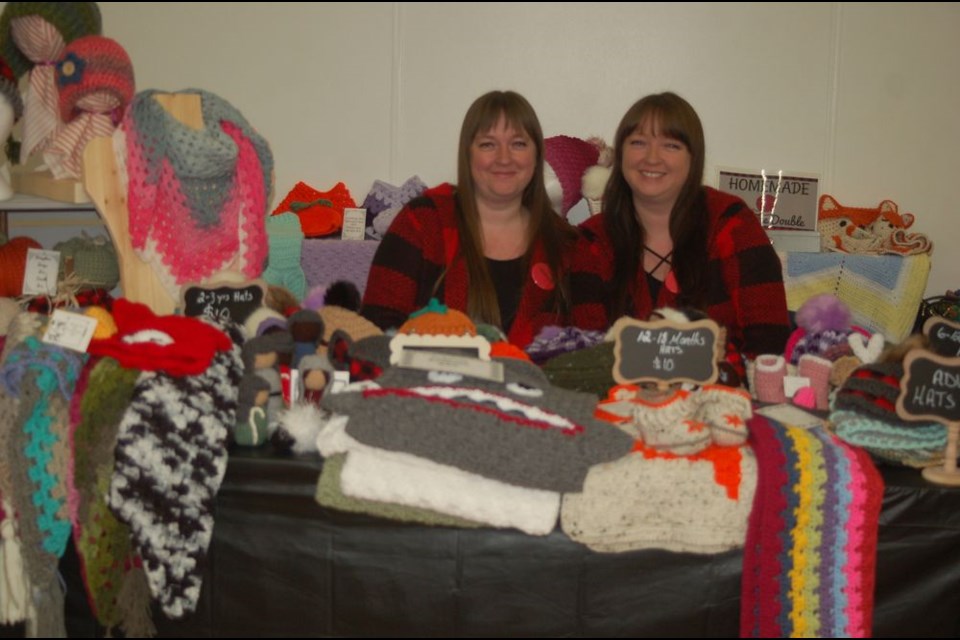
{"points": [[492, 246], [664, 239]]}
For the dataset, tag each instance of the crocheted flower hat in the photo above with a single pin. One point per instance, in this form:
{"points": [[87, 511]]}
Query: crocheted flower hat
{"points": [[8, 88], [71, 19], [94, 64]]}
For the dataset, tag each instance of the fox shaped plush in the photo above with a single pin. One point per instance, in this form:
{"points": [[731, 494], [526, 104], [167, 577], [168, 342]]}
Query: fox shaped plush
{"points": [[876, 230]]}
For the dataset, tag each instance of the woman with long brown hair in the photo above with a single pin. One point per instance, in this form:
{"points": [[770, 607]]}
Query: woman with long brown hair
{"points": [[492, 246], [665, 240]]}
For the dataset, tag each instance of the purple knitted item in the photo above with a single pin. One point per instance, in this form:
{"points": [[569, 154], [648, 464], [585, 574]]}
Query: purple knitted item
{"points": [[326, 261], [554, 341], [385, 196]]}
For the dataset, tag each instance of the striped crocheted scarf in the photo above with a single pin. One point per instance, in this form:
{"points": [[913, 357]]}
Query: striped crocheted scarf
{"points": [[809, 560]]}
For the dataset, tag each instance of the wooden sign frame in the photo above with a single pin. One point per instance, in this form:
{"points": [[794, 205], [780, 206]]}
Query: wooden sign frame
{"points": [[670, 341]]}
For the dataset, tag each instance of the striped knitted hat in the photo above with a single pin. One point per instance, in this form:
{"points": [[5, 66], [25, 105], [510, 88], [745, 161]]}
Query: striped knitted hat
{"points": [[93, 64], [71, 19]]}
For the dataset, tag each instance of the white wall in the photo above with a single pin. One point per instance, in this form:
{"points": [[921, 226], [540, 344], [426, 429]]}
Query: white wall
{"points": [[865, 95]]}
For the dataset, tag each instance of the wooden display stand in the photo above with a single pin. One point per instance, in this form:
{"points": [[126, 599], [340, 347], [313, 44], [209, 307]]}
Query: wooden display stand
{"points": [[44, 185], [139, 281]]}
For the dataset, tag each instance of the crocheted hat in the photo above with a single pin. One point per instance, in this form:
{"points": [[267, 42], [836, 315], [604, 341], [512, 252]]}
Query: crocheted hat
{"points": [[437, 319], [94, 64], [589, 370], [569, 158], [71, 19], [93, 260], [320, 212], [873, 390], [13, 264], [8, 88]]}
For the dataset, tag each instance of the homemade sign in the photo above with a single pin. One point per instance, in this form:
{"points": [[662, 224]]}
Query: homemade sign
{"points": [[223, 301], [944, 336], [930, 391], [666, 352]]}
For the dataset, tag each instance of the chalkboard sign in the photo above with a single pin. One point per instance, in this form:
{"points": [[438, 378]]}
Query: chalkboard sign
{"points": [[944, 336], [930, 388], [223, 301], [666, 351]]}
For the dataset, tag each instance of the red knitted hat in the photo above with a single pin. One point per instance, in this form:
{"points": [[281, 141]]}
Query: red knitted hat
{"points": [[93, 64], [569, 158]]}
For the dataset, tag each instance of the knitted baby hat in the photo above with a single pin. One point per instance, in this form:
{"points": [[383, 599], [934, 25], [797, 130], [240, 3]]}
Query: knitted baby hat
{"points": [[94, 64], [71, 19], [8, 88], [437, 319]]}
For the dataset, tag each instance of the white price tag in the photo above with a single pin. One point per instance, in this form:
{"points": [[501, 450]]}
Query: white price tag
{"points": [[432, 361], [40, 276], [339, 381], [354, 224], [70, 330]]}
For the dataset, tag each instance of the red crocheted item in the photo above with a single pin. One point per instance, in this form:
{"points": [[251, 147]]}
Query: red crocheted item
{"points": [[317, 218], [176, 345]]}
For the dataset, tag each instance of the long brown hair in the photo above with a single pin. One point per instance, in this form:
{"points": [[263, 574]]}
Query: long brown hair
{"points": [[545, 225], [666, 114]]}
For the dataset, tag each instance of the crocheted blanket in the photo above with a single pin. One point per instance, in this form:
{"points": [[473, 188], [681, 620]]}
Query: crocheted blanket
{"points": [[809, 559], [883, 292]]}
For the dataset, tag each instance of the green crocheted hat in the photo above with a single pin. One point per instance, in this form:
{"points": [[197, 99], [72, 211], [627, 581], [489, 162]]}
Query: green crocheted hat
{"points": [[71, 19], [93, 260]]}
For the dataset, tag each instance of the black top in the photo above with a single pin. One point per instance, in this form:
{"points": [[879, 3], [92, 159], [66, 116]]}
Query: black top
{"points": [[507, 276]]}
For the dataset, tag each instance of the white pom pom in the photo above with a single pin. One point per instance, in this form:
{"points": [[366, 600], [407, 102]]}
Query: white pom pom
{"points": [[595, 181], [303, 422]]}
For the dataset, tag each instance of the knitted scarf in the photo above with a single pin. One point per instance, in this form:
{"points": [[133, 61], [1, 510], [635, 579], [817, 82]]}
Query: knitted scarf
{"points": [[102, 542], [170, 459], [197, 198], [64, 155], [42, 377], [42, 44], [810, 557]]}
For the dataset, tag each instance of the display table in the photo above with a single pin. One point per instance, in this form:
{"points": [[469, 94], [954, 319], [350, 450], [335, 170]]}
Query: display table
{"points": [[281, 565]]}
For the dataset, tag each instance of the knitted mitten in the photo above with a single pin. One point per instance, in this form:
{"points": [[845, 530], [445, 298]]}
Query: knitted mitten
{"points": [[817, 369], [285, 238]]}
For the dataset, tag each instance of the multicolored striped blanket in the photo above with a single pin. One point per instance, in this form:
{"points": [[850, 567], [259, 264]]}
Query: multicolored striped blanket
{"points": [[809, 559]]}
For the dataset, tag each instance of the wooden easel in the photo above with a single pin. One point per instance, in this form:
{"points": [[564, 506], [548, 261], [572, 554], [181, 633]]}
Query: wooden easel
{"points": [[101, 180]]}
